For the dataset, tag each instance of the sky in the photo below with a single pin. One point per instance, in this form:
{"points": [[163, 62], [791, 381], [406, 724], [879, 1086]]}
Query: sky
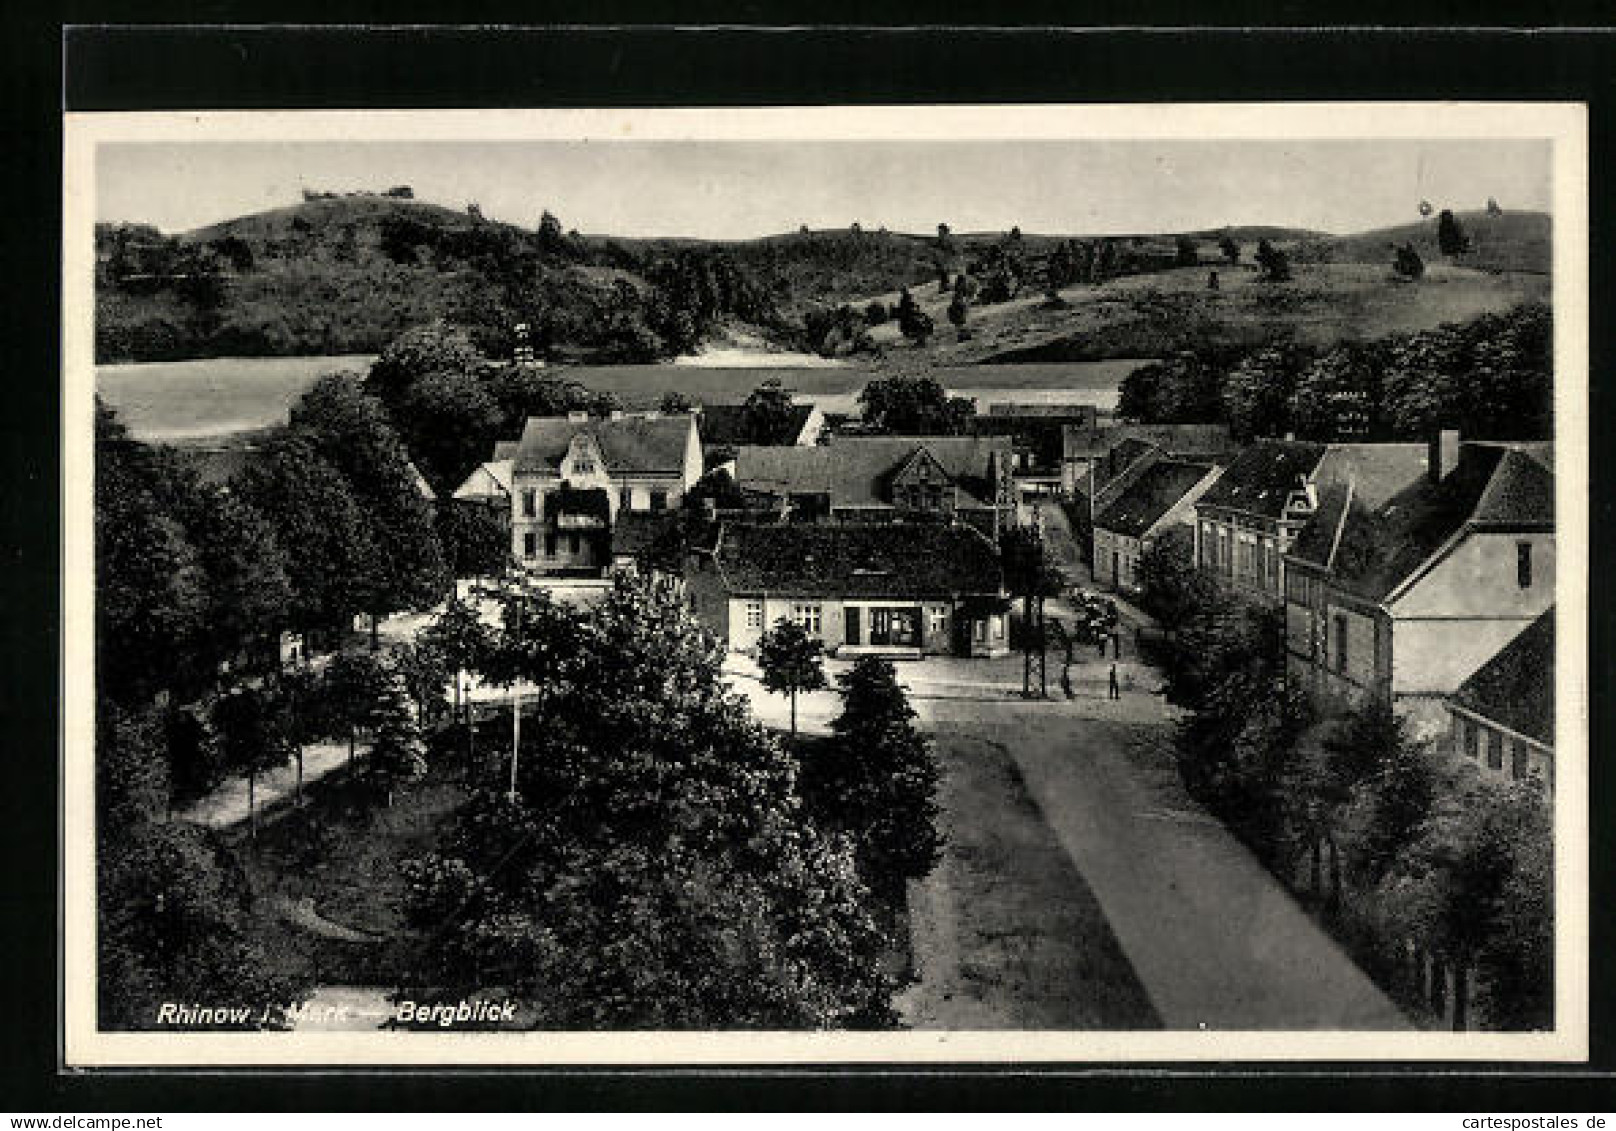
{"points": [[734, 189]]}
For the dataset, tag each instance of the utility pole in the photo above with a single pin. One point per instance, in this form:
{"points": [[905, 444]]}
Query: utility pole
{"points": [[516, 707]]}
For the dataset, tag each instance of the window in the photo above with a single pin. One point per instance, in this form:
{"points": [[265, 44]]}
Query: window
{"points": [[572, 544], [628, 498], [549, 545], [809, 617], [1523, 564], [529, 502], [1517, 760], [530, 544], [754, 614], [1495, 750], [936, 623], [934, 497], [1340, 642], [583, 465], [1472, 741], [659, 500]]}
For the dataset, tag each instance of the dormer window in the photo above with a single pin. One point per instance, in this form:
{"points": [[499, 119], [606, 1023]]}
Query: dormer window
{"points": [[583, 465]]}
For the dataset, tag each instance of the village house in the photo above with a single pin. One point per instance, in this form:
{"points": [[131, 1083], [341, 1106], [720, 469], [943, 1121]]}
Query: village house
{"points": [[725, 427], [902, 591], [570, 477], [1159, 499], [1093, 455], [1247, 521], [1402, 599], [1501, 719], [887, 479]]}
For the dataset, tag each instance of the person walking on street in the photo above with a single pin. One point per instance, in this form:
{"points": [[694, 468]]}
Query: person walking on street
{"points": [[1115, 692]]}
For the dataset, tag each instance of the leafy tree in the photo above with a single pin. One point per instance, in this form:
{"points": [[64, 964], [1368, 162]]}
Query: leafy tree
{"points": [[1274, 264], [1407, 262], [1170, 587], [958, 311], [914, 323], [767, 415], [474, 538], [422, 672], [1229, 250], [1182, 389], [654, 812], [792, 662], [1185, 252], [174, 913], [1450, 234], [432, 350], [446, 420], [254, 731], [877, 779], [351, 432], [551, 238], [906, 405], [675, 403], [1257, 391], [876, 312], [312, 510], [356, 687], [1339, 395], [459, 636], [1031, 575], [131, 770]]}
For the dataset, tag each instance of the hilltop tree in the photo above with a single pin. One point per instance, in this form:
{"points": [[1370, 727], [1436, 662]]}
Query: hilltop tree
{"points": [[1407, 262], [1450, 235], [1185, 252], [551, 238], [1229, 250], [1274, 264], [792, 661], [958, 311]]}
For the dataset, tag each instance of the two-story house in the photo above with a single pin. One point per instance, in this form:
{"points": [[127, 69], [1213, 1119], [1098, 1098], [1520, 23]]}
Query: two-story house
{"points": [[569, 478], [1501, 719], [888, 478], [1247, 521], [1159, 498], [901, 590], [1403, 598]]}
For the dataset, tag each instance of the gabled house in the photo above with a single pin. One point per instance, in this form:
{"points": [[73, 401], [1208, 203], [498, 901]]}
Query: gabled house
{"points": [[887, 479], [1501, 719], [1160, 498], [1094, 454], [571, 476], [1247, 521], [904, 590], [1401, 599]]}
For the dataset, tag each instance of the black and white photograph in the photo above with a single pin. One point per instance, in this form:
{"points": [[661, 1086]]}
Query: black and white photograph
{"points": [[923, 583]]}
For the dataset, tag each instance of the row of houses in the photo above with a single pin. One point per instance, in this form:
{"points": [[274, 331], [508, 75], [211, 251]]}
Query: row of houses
{"points": [[1416, 575]]}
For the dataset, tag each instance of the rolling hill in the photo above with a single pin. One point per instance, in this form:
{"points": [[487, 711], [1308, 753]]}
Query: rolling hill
{"points": [[1508, 241]]}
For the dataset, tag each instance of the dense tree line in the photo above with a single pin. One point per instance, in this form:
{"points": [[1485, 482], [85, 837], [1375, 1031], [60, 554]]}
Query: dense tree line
{"points": [[1440, 879], [655, 866], [1491, 377]]}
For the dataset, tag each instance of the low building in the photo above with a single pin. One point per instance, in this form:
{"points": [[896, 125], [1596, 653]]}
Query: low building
{"points": [[1160, 498], [1501, 719], [1088, 461], [1247, 522], [902, 590], [887, 479], [1403, 599], [571, 476]]}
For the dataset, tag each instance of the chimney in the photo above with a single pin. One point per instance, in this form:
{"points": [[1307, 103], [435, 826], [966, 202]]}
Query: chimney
{"points": [[1442, 454]]}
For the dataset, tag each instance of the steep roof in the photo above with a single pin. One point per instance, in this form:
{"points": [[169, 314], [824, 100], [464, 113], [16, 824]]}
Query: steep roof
{"points": [[726, 424], [487, 481], [629, 444], [1088, 442], [1516, 687], [1261, 478], [1492, 486], [901, 560], [1156, 491], [635, 532], [1377, 471], [858, 470]]}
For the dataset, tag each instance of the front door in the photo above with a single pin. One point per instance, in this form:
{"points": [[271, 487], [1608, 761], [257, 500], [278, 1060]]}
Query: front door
{"points": [[852, 624]]}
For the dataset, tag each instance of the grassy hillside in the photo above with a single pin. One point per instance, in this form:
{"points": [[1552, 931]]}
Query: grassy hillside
{"points": [[1509, 241]]}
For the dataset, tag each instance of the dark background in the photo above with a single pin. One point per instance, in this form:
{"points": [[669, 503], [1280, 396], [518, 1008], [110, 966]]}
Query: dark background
{"points": [[72, 59]]}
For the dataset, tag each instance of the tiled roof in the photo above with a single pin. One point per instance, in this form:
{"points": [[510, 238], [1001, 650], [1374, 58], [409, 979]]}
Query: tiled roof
{"points": [[1156, 491], [1083, 415], [630, 444], [1516, 687], [897, 560], [1176, 439], [857, 470], [635, 532], [1262, 477], [1491, 485]]}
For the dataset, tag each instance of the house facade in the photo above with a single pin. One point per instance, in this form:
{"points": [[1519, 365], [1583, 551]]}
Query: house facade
{"points": [[1247, 523], [1501, 719], [570, 477], [1402, 600], [887, 479], [1161, 497], [905, 590]]}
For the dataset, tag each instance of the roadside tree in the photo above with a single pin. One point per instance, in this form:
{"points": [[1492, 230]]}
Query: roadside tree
{"points": [[792, 662]]}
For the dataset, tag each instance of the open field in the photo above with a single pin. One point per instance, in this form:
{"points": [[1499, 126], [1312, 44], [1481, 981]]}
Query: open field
{"points": [[194, 400]]}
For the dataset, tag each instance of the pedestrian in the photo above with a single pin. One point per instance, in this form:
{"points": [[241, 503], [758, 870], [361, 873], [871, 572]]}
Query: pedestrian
{"points": [[1066, 682], [1116, 645], [1116, 693]]}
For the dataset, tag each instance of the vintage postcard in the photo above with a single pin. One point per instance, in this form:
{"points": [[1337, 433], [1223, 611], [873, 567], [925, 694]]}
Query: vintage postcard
{"points": [[812, 585]]}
